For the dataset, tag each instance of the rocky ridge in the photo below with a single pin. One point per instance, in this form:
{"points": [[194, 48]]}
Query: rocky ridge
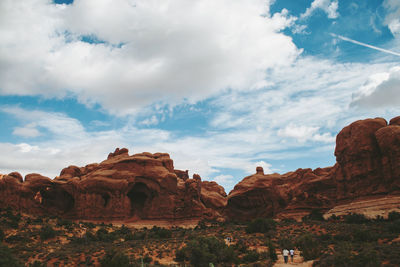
{"points": [[146, 186]]}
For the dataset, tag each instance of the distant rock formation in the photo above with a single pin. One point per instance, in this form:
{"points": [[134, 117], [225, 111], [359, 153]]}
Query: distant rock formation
{"points": [[146, 186], [123, 187], [368, 164]]}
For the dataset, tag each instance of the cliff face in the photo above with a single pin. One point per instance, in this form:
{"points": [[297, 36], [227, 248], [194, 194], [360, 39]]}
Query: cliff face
{"points": [[123, 187], [146, 186], [368, 164]]}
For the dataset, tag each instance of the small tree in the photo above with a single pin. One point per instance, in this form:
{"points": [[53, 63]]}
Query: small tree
{"points": [[47, 232], [7, 258], [271, 251], [115, 258], [309, 246]]}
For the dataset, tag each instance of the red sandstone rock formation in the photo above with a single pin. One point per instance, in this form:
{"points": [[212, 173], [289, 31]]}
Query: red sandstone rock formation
{"points": [[146, 186], [368, 164], [123, 187]]}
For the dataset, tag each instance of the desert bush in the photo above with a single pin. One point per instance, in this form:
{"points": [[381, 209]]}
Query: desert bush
{"points": [[393, 216], [261, 225], [1, 235], [7, 258], [309, 246], [202, 251], [19, 237], [67, 224], [37, 264], [241, 246], [139, 235], [114, 258], [147, 259], [47, 232], [315, 215], [157, 232], [355, 218], [103, 235], [251, 256], [364, 235], [271, 251]]}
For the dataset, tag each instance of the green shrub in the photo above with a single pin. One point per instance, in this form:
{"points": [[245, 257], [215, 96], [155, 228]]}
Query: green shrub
{"points": [[394, 227], [103, 235], [315, 215], [7, 258], [38, 264], [251, 256], [309, 246], [19, 237], [393, 216], [115, 258], [261, 225], [355, 218], [1, 235], [147, 259], [139, 235], [271, 251], [67, 224], [157, 232], [202, 251], [47, 232], [364, 235]]}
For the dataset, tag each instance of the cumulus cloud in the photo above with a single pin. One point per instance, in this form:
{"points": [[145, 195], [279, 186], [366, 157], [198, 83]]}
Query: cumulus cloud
{"points": [[141, 51], [27, 131], [305, 133], [392, 18], [328, 6], [380, 90], [57, 124]]}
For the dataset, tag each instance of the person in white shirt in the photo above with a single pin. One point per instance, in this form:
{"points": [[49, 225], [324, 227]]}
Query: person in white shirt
{"points": [[291, 252], [285, 253]]}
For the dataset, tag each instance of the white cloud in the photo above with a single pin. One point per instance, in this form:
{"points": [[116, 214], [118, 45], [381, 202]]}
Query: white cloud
{"points": [[150, 121], [27, 131], [153, 51], [301, 133], [381, 90], [224, 179], [393, 14], [57, 124], [330, 7]]}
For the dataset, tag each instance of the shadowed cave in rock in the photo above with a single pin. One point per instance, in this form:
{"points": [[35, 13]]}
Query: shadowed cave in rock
{"points": [[106, 199], [138, 196], [57, 199]]}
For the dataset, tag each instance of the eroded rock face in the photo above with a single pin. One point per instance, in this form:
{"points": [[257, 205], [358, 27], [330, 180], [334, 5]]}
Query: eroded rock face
{"points": [[123, 187], [368, 164], [359, 158], [268, 195], [146, 186]]}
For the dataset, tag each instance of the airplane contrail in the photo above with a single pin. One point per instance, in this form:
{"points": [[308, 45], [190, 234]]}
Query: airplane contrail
{"points": [[366, 45]]}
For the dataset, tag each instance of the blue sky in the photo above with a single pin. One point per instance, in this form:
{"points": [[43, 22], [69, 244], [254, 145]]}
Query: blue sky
{"points": [[222, 86]]}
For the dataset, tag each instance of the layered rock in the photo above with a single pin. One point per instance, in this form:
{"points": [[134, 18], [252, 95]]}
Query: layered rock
{"points": [[146, 186], [123, 187], [268, 195], [368, 164]]}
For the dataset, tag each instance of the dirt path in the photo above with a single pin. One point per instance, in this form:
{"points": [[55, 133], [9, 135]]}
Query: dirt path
{"points": [[297, 261]]}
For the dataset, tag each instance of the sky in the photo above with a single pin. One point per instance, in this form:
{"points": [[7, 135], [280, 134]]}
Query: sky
{"points": [[222, 86]]}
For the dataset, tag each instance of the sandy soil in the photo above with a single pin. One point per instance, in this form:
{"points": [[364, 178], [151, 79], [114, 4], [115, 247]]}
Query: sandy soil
{"points": [[297, 261]]}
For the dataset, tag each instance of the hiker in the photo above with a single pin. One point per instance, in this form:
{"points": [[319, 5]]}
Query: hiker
{"points": [[285, 253], [291, 252]]}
